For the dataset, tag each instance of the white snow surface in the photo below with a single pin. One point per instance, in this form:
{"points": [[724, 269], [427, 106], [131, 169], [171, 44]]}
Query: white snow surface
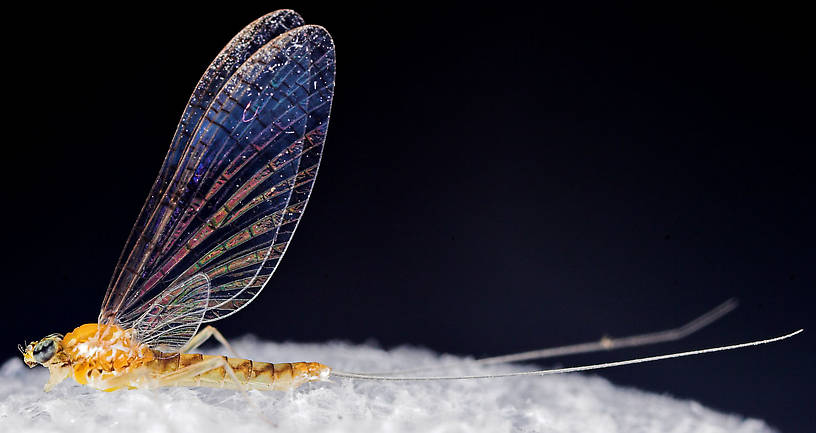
{"points": [[562, 403]]}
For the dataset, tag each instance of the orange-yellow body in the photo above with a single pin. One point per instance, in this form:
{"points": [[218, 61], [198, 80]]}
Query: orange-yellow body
{"points": [[102, 352], [262, 376], [108, 357]]}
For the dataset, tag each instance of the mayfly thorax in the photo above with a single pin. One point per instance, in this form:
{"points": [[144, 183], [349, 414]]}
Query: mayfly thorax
{"points": [[220, 217]]}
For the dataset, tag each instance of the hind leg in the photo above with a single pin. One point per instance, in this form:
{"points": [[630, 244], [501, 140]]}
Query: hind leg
{"points": [[204, 335]]}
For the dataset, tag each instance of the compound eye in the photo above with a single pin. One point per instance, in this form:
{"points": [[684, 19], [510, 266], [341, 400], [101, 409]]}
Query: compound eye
{"points": [[44, 351]]}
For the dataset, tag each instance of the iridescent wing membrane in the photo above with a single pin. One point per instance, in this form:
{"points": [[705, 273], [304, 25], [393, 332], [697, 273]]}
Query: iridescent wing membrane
{"points": [[233, 186]]}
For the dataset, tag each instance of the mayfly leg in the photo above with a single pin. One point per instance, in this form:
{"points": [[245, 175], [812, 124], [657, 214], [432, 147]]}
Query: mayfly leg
{"points": [[204, 335], [127, 380], [189, 372], [604, 344]]}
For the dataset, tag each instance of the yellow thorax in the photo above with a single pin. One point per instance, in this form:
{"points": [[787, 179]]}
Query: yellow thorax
{"points": [[101, 351]]}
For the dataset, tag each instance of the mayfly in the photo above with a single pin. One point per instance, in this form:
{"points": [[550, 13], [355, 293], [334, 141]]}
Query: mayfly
{"points": [[220, 217]]}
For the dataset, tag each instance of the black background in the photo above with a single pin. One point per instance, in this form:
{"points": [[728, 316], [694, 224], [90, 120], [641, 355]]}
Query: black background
{"points": [[494, 180]]}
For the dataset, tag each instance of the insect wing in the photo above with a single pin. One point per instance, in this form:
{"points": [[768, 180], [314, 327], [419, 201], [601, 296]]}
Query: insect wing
{"points": [[227, 204], [138, 248], [170, 319]]}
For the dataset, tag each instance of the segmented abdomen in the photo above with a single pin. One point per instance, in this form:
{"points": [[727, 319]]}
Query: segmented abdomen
{"points": [[262, 376]]}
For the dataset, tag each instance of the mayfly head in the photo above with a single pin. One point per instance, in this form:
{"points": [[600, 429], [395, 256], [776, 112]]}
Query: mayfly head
{"points": [[46, 351]]}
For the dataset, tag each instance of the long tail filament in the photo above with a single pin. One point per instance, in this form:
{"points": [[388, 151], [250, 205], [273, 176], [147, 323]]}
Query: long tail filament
{"points": [[568, 369]]}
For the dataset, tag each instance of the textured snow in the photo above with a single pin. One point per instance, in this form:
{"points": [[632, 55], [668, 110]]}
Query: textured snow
{"points": [[564, 403]]}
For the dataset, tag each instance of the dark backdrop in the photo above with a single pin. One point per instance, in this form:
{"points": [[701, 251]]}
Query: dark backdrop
{"points": [[495, 180]]}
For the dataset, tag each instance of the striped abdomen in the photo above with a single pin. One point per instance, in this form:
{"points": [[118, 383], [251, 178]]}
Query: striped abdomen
{"points": [[254, 375]]}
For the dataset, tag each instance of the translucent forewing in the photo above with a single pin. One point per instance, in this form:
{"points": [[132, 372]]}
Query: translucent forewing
{"points": [[137, 249], [172, 317], [229, 208]]}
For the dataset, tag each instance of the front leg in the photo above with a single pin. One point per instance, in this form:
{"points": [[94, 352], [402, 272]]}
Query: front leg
{"points": [[58, 374], [202, 336]]}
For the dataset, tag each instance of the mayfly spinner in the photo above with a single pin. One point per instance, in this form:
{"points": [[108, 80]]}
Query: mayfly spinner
{"points": [[219, 218]]}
